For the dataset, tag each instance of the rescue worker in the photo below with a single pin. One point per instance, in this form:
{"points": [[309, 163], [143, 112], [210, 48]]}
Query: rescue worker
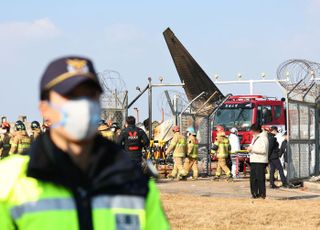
{"points": [[191, 161], [116, 130], [5, 138], [21, 141], [46, 126], [105, 130], [133, 140], [222, 148], [234, 148], [178, 146], [35, 129], [72, 178]]}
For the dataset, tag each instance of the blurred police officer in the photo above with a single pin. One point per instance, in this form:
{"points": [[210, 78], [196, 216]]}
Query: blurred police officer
{"points": [[133, 139], [72, 178]]}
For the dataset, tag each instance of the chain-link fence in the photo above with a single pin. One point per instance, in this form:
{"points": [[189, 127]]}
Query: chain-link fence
{"points": [[114, 99], [302, 97]]}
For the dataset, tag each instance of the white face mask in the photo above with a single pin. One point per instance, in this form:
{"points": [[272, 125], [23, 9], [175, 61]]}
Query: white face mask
{"points": [[79, 118]]}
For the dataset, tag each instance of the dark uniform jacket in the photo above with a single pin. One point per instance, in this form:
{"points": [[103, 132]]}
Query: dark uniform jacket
{"points": [[133, 139], [273, 147]]}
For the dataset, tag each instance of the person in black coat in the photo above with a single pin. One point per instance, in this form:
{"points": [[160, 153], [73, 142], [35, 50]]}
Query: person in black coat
{"points": [[133, 140], [274, 161]]}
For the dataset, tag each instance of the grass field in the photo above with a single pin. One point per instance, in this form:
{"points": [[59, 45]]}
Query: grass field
{"points": [[194, 211]]}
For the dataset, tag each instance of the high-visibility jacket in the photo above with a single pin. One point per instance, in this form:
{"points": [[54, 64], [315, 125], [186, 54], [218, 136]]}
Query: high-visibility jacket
{"points": [[222, 146], [192, 147], [30, 203], [20, 143], [5, 144], [178, 143]]}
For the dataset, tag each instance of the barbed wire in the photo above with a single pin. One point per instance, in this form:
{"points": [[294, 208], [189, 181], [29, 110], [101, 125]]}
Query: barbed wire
{"points": [[114, 88], [296, 70]]}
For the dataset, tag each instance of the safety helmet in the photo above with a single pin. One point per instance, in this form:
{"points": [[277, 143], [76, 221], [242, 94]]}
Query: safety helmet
{"points": [[176, 128], [5, 125], [115, 125], [191, 130], [101, 122], [35, 125], [220, 128], [233, 130], [19, 125]]}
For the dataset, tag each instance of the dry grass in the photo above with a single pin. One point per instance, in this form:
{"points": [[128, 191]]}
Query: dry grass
{"points": [[195, 212]]}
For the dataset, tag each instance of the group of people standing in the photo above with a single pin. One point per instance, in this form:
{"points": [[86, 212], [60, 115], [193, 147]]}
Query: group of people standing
{"points": [[17, 140], [185, 154]]}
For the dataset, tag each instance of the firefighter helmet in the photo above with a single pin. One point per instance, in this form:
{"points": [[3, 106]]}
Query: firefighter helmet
{"points": [[35, 125], [19, 126], [220, 128], [191, 130], [176, 128], [233, 130]]}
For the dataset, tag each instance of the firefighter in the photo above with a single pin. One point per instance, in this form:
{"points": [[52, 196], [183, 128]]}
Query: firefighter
{"points": [[234, 148], [36, 130], [21, 140], [191, 161], [106, 131], [72, 178], [222, 147], [5, 138], [178, 146], [133, 140], [46, 126], [116, 130]]}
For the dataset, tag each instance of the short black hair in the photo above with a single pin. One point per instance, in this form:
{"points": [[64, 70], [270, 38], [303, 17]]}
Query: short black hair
{"points": [[274, 128], [256, 128], [131, 120]]}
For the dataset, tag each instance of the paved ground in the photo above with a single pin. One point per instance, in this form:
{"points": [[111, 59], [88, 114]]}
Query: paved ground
{"points": [[206, 204]]}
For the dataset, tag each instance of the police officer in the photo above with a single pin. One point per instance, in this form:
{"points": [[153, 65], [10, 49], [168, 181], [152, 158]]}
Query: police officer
{"points": [[133, 139], [35, 129], [21, 141], [222, 148], [178, 146], [71, 178], [5, 138], [191, 161]]}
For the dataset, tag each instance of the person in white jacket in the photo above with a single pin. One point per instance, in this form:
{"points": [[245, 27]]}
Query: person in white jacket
{"points": [[258, 161], [235, 147]]}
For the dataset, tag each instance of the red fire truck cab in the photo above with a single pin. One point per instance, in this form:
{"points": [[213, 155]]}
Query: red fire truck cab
{"points": [[242, 111]]}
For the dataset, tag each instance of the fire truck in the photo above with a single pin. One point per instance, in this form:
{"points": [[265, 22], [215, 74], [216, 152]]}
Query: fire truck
{"points": [[242, 111]]}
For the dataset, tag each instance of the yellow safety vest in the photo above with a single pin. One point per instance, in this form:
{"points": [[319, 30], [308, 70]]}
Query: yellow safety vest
{"points": [[30, 204]]}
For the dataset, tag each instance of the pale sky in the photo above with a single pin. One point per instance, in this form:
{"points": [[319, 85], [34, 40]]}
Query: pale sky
{"points": [[225, 37]]}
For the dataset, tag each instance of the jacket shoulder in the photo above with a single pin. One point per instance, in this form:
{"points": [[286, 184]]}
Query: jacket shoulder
{"points": [[11, 168]]}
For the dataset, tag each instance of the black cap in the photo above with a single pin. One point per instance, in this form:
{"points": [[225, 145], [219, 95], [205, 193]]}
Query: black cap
{"points": [[64, 74]]}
